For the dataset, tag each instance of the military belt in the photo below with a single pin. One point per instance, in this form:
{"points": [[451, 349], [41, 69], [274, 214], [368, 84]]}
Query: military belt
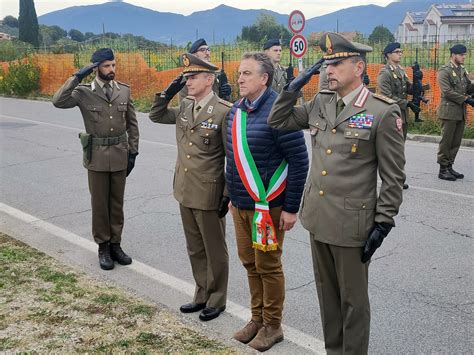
{"points": [[110, 140]]}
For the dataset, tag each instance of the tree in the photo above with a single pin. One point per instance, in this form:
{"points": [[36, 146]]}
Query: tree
{"points": [[28, 23], [381, 34], [51, 34], [266, 27], [76, 35], [10, 21]]}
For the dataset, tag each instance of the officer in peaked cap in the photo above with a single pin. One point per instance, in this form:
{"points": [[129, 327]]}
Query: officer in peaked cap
{"points": [[456, 87], [221, 86], [110, 146], [355, 134], [198, 185]]}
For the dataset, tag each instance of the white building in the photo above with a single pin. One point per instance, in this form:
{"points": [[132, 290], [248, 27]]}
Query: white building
{"points": [[441, 23]]}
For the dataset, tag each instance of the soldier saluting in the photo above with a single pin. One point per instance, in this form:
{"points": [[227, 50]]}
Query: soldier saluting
{"points": [[199, 183], [355, 135], [110, 146]]}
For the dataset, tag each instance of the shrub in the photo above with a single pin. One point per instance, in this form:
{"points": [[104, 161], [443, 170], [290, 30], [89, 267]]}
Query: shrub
{"points": [[21, 78]]}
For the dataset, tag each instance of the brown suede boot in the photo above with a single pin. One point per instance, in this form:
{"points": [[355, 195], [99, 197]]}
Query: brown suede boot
{"points": [[248, 332], [266, 337]]}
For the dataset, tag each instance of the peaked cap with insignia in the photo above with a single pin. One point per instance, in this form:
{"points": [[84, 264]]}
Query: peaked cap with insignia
{"points": [[337, 48], [194, 65]]}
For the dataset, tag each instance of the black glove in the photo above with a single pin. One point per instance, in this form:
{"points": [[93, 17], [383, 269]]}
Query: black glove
{"points": [[375, 239], [290, 75], [131, 162], [83, 72], [470, 101], [366, 80], [414, 107], [176, 86], [304, 77], [224, 91], [223, 207]]}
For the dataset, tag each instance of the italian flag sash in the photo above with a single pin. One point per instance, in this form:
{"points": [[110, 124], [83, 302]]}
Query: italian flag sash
{"points": [[263, 230]]}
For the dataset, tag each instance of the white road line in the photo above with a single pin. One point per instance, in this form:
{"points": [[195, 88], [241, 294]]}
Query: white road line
{"points": [[441, 191], [78, 129], [295, 336]]}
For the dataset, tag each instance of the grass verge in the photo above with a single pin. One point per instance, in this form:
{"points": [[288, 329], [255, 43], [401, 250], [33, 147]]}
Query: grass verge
{"points": [[48, 307]]}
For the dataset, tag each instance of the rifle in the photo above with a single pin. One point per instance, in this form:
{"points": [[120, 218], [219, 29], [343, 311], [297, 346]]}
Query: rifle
{"points": [[290, 75], [224, 87]]}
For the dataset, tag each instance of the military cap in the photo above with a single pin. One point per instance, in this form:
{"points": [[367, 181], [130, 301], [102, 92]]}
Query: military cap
{"points": [[458, 49], [194, 65], [195, 46], [101, 55], [270, 43], [389, 48], [337, 48]]}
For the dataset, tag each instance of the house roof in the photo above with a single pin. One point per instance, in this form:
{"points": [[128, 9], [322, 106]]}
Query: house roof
{"points": [[417, 16], [455, 10]]}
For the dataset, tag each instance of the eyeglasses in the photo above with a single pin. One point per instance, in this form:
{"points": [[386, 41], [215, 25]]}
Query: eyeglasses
{"points": [[204, 49]]}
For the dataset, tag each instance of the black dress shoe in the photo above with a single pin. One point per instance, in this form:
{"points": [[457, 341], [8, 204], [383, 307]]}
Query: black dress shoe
{"points": [[192, 307], [210, 313], [105, 260], [119, 255], [405, 186]]}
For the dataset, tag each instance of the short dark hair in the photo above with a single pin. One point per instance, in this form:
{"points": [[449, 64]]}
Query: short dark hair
{"points": [[264, 62]]}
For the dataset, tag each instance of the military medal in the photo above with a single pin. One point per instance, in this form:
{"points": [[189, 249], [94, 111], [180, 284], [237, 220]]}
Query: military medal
{"points": [[209, 110], [354, 148], [206, 141], [361, 121]]}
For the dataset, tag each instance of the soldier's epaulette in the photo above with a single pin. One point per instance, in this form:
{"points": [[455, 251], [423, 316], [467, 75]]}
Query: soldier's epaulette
{"points": [[84, 84], [326, 91], [225, 102], [189, 97], [124, 84], [384, 98]]}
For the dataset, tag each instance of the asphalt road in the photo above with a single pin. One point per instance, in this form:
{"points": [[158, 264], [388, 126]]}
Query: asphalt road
{"points": [[421, 279]]}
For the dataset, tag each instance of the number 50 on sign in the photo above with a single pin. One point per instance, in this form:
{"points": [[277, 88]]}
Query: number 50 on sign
{"points": [[298, 46]]}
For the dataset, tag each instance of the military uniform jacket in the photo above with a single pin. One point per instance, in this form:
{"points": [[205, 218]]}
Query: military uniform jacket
{"points": [[102, 119], [393, 82], [455, 85], [279, 78], [199, 173], [340, 203]]}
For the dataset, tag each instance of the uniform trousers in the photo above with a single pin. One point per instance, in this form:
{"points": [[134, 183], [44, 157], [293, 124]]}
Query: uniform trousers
{"points": [[451, 137], [342, 286], [264, 269], [207, 251], [107, 190]]}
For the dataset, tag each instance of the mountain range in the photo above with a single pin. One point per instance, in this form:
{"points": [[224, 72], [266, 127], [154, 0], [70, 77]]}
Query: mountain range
{"points": [[221, 24]]}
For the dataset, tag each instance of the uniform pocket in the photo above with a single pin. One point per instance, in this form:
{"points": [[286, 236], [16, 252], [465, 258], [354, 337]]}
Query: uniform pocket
{"points": [[214, 187], [94, 112], [206, 138], [180, 131], [354, 140], [317, 128], [359, 217]]}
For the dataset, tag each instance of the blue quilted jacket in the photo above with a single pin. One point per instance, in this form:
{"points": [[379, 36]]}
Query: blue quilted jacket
{"points": [[269, 147]]}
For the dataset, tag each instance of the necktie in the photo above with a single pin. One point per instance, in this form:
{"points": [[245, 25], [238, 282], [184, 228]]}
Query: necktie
{"points": [[108, 91], [340, 106]]}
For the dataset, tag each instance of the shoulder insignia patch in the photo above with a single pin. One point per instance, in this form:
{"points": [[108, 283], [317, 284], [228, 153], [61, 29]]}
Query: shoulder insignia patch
{"points": [[399, 123], [85, 84], [225, 103], [326, 91], [384, 98]]}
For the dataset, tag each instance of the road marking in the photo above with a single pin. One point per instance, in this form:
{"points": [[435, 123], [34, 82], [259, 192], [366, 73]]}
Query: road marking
{"points": [[295, 336], [441, 191], [78, 129]]}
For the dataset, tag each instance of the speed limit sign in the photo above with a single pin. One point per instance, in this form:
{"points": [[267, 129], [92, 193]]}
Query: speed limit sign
{"points": [[298, 46]]}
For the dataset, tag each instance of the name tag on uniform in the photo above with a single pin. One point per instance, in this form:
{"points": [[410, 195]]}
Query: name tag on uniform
{"points": [[209, 125], [361, 120]]}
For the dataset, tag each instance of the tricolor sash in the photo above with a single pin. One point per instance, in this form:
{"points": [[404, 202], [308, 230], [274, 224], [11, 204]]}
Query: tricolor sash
{"points": [[263, 230]]}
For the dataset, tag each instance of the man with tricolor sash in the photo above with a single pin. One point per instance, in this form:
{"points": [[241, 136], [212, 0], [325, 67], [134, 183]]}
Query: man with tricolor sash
{"points": [[265, 174], [355, 135], [199, 183]]}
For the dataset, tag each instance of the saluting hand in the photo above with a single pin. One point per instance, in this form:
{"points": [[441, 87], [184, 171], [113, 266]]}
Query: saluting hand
{"points": [[174, 87], [304, 77], [85, 71], [287, 220]]}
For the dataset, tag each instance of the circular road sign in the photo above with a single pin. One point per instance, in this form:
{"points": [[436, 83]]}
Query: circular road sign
{"points": [[298, 46], [296, 21]]}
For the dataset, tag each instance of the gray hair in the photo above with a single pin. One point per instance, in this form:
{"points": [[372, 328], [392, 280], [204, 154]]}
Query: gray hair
{"points": [[265, 64]]}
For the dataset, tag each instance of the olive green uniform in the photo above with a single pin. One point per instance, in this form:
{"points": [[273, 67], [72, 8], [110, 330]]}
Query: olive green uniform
{"points": [[340, 203], [280, 78], [393, 82], [198, 186], [455, 85], [114, 127]]}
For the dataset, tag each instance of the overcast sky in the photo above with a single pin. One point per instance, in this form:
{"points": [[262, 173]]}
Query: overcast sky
{"points": [[310, 8]]}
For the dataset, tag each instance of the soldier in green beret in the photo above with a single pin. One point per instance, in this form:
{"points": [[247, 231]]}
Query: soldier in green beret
{"points": [[355, 135], [455, 87]]}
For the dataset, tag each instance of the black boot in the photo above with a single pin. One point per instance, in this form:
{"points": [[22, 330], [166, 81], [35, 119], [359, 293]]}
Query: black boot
{"points": [[119, 255], [417, 118], [455, 173], [405, 186], [445, 174], [105, 260]]}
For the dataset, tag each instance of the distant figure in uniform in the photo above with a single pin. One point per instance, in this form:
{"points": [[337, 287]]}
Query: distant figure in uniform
{"points": [[393, 82], [354, 135], [418, 89], [110, 146], [455, 87], [265, 173], [281, 76], [221, 86], [199, 179]]}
